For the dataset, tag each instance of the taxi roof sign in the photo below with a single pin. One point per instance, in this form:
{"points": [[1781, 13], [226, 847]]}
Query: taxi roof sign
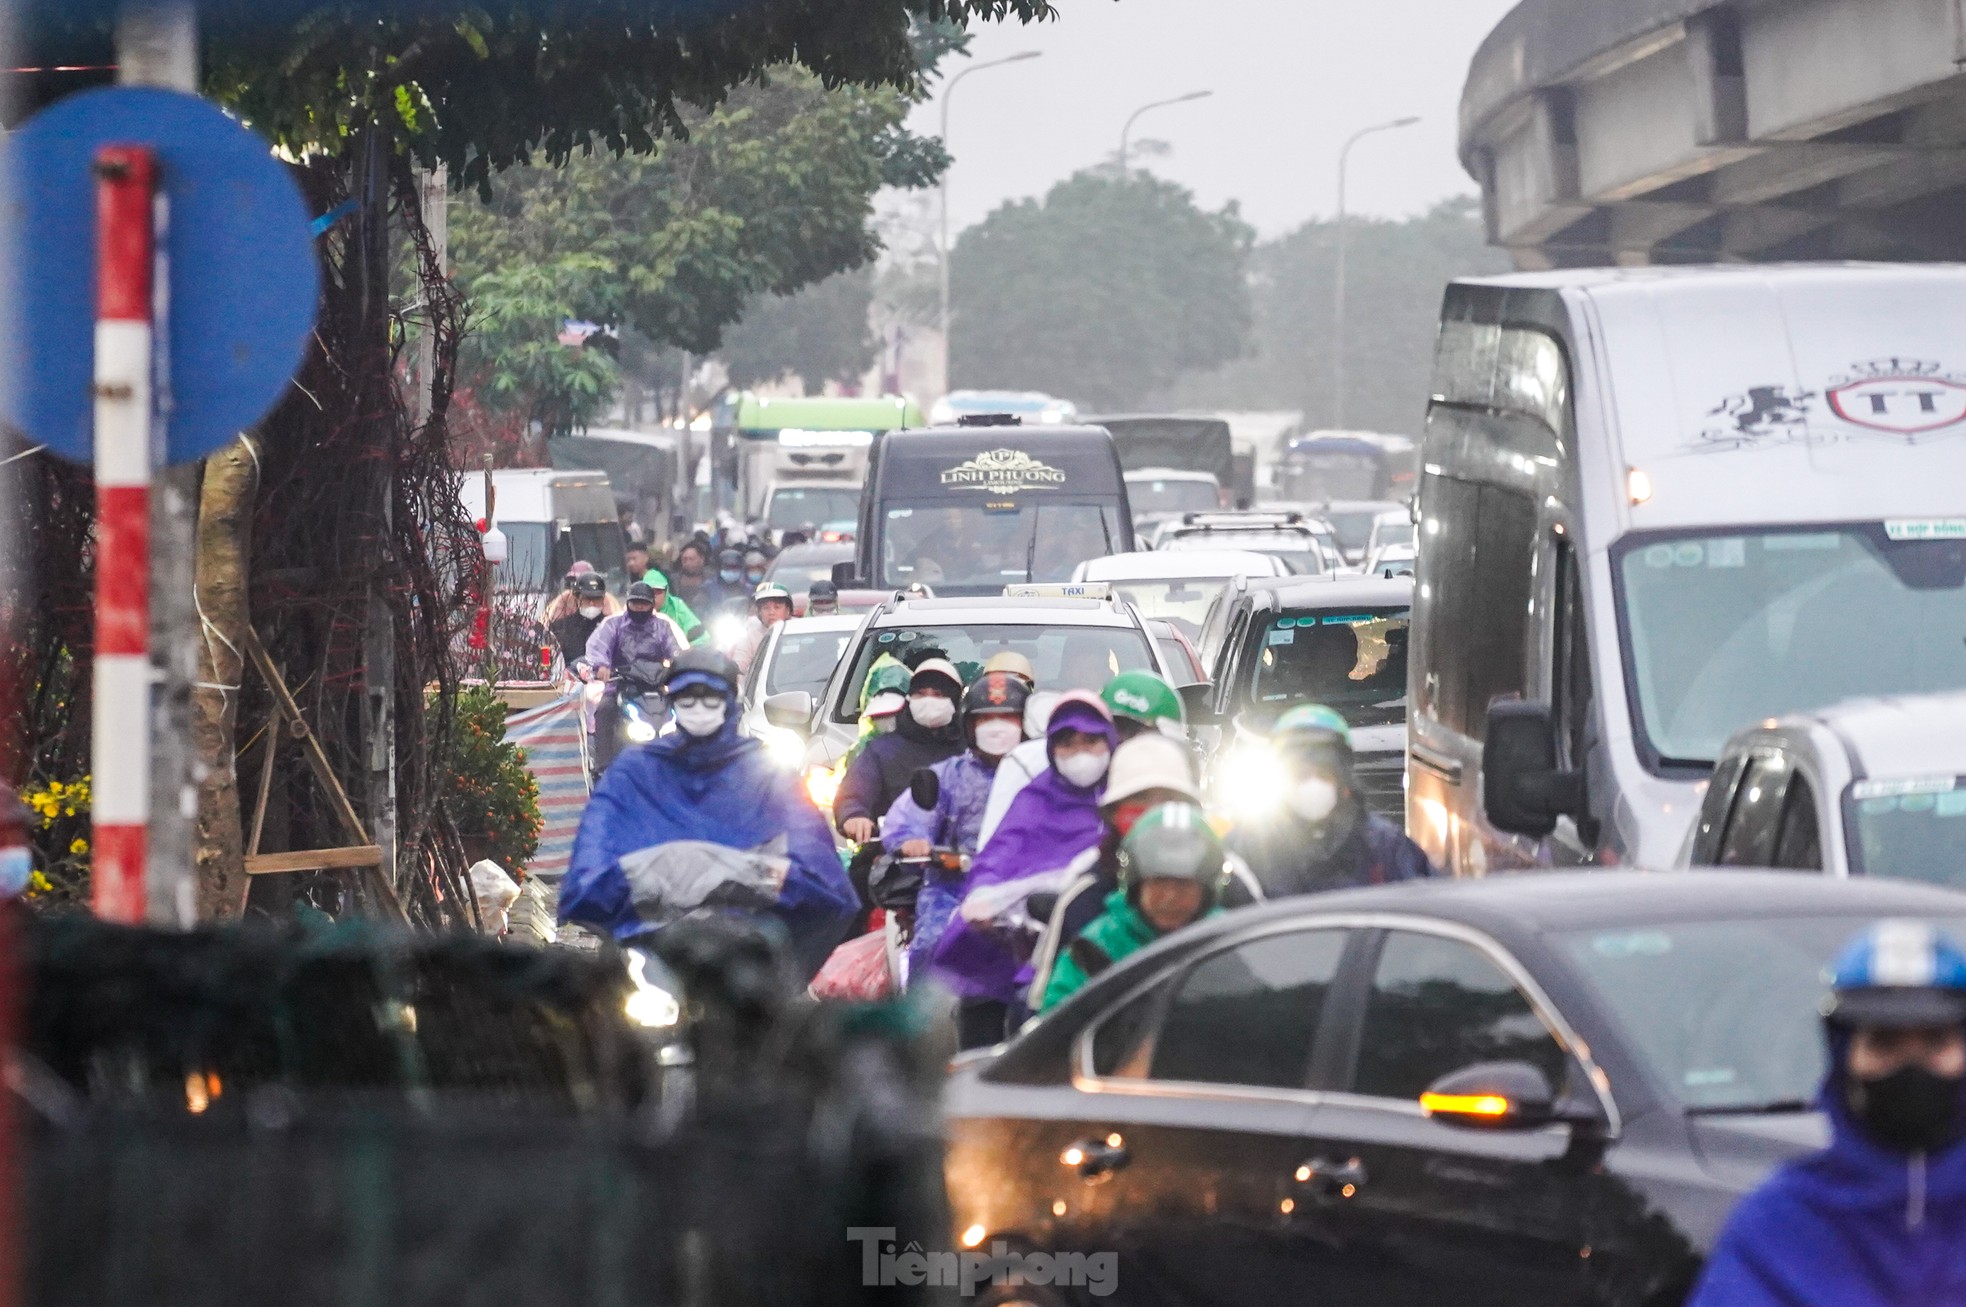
{"points": [[1059, 590]]}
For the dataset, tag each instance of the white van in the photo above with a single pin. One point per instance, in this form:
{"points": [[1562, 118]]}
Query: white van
{"points": [[1658, 505], [550, 518]]}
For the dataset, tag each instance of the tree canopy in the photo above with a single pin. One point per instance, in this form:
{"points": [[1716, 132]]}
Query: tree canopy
{"points": [[771, 192], [820, 334], [1395, 274], [1105, 290]]}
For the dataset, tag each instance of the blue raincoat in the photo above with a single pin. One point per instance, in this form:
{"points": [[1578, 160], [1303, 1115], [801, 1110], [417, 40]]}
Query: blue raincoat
{"points": [[1855, 1225], [956, 823], [722, 789]]}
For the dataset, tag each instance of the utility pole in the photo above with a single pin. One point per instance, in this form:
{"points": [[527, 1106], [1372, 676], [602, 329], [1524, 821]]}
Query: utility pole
{"points": [[157, 45], [1338, 292], [943, 248], [1126, 132]]}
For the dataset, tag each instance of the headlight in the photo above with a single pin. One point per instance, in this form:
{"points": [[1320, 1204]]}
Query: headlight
{"points": [[726, 631], [1251, 781], [822, 785], [783, 747], [638, 728], [650, 1005]]}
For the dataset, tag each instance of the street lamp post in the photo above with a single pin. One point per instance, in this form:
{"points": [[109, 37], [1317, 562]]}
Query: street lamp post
{"points": [[947, 93], [1126, 132], [1338, 294]]}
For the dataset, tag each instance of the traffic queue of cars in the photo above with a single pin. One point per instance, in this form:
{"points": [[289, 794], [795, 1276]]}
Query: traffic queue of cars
{"points": [[1683, 583]]}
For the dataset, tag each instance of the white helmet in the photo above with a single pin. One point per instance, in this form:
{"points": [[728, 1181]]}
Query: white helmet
{"points": [[1150, 762]]}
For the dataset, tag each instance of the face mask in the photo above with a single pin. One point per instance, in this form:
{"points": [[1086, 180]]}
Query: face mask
{"points": [[590, 611], [1314, 799], [996, 737], [1911, 1110], [638, 616], [701, 717], [754, 577], [1125, 815], [932, 711], [885, 725], [1084, 769], [730, 575]]}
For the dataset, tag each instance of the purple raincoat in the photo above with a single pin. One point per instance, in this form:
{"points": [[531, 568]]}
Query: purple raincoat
{"points": [[1049, 823]]}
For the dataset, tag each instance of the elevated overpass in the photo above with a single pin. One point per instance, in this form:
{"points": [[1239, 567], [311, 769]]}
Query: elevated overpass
{"points": [[1676, 131]]}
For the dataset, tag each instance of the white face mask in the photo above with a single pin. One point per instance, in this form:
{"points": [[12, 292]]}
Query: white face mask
{"points": [[932, 710], [995, 737], [885, 725], [1084, 769], [1313, 799], [590, 611], [701, 719]]}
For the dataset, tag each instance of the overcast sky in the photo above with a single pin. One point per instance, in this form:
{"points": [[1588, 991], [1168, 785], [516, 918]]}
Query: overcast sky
{"points": [[1291, 79]]}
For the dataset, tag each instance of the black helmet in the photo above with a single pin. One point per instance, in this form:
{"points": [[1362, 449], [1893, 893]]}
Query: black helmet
{"points": [[822, 590], [590, 584], [702, 666], [995, 692], [730, 558], [641, 591]]}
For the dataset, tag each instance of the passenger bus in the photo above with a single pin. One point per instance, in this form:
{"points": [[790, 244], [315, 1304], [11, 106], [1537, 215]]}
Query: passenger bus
{"points": [[968, 510], [1354, 465], [1660, 505]]}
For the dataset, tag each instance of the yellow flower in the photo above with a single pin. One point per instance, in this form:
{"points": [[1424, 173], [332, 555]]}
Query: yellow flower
{"points": [[78, 845]]}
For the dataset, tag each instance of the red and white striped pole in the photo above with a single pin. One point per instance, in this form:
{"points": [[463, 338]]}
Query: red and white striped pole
{"points": [[126, 187]]}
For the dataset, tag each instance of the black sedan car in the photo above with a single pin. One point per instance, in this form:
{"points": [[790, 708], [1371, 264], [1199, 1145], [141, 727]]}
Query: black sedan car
{"points": [[1538, 1089]]}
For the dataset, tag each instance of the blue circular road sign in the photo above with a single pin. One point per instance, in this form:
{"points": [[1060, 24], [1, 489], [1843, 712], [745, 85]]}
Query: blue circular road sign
{"points": [[242, 275]]}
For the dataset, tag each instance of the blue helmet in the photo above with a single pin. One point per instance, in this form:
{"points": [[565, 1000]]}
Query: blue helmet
{"points": [[1899, 974]]}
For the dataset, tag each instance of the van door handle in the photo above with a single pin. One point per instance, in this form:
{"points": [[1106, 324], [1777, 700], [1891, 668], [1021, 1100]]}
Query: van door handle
{"points": [[1445, 765], [1329, 1178]]}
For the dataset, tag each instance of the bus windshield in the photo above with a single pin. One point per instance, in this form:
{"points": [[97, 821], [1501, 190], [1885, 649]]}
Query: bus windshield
{"points": [[973, 546], [1337, 474], [1725, 629]]}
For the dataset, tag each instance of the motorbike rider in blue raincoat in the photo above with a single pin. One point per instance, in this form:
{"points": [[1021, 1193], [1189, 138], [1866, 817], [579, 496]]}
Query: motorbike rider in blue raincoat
{"points": [[700, 786], [1878, 1217]]}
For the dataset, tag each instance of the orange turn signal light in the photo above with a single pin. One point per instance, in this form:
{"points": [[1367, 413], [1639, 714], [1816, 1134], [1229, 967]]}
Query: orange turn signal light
{"points": [[1465, 1104]]}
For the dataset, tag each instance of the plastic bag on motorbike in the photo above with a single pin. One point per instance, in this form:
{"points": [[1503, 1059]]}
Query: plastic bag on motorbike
{"points": [[667, 881], [857, 972]]}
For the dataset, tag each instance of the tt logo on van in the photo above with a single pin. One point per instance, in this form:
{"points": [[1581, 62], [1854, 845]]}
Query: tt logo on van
{"points": [[1900, 396], [1909, 398], [1003, 472]]}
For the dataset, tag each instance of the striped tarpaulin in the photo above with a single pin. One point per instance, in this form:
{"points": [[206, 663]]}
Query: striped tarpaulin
{"points": [[550, 735]]}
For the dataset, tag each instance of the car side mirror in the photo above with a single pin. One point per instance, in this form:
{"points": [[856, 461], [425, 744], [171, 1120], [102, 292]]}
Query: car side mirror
{"points": [[1492, 1096], [790, 709], [925, 788], [843, 577], [1523, 792], [1198, 701]]}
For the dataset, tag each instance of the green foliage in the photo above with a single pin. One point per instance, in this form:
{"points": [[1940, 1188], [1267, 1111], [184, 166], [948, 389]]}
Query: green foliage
{"points": [[512, 359], [773, 191], [1395, 274], [486, 786], [817, 335], [1108, 288], [495, 84]]}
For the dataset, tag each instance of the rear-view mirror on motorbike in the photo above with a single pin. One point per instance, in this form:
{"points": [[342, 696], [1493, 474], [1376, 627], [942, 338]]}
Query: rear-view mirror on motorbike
{"points": [[925, 788], [790, 709]]}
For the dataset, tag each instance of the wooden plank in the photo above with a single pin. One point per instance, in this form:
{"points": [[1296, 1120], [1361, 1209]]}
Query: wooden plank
{"points": [[361, 855]]}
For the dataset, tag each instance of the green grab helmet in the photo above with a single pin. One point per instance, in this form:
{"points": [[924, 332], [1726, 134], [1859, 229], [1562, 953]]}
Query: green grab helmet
{"points": [[1145, 697], [1174, 841]]}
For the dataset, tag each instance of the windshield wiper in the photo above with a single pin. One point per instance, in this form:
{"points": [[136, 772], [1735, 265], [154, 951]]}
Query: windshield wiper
{"points": [[1753, 1109]]}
